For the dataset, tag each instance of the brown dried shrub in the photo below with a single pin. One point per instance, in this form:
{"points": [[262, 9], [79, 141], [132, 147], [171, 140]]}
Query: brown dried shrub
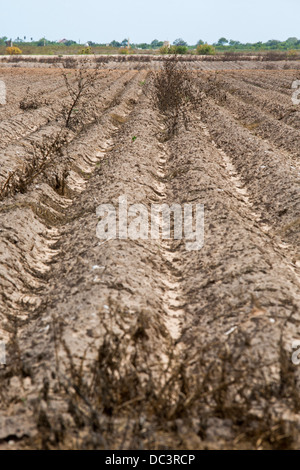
{"points": [[174, 93]]}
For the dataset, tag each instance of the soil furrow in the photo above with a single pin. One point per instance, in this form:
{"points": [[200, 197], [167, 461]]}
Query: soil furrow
{"points": [[271, 180], [117, 337]]}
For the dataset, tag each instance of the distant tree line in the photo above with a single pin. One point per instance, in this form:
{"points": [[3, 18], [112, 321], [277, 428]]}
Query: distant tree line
{"points": [[272, 44], [223, 44]]}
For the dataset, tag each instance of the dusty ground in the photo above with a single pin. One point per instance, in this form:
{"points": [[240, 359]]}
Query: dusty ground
{"points": [[143, 344]]}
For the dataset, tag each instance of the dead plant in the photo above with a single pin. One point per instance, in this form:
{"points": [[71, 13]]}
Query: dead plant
{"points": [[174, 93], [80, 108]]}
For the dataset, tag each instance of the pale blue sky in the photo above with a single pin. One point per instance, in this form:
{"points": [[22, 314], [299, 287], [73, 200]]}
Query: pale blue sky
{"points": [[100, 21]]}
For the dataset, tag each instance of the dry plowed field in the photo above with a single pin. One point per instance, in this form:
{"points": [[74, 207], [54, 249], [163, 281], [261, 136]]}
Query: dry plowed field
{"points": [[142, 344]]}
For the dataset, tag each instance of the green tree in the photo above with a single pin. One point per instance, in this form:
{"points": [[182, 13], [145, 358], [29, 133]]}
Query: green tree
{"points": [[115, 44], [155, 44], [234, 43], [206, 49], [143, 45], [70, 42], [272, 43], [179, 42], [180, 49], [41, 42], [222, 42], [292, 41]]}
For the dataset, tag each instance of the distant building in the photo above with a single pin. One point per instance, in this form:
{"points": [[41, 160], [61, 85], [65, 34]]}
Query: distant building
{"points": [[62, 41], [167, 44]]}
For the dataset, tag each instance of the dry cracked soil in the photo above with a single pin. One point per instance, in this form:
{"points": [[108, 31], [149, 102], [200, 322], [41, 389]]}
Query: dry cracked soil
{"points": [[141, 343]]}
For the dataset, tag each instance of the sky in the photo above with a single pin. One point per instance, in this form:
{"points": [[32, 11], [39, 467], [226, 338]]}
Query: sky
{"points": [[143, 21]]}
